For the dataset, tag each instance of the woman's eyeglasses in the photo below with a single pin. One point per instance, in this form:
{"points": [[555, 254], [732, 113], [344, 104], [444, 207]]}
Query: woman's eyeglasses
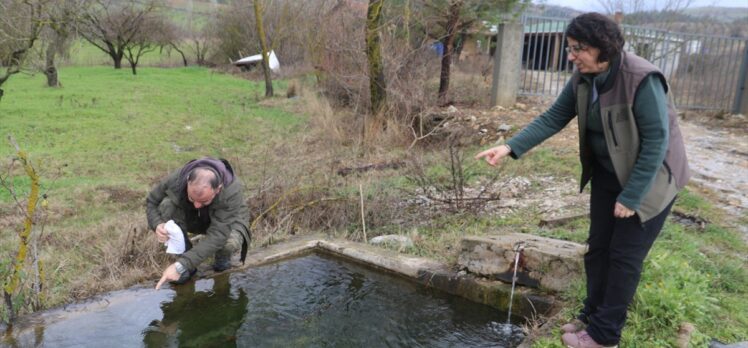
{"points": [[576, 49]]}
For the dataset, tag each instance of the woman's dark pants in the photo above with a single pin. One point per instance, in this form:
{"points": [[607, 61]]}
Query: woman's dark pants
{"points": [[613, 262]]}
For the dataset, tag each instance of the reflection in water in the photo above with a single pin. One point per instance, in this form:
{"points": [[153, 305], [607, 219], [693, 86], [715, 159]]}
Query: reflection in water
{"points": [[191, 319], [312, 301], [325, 302]]}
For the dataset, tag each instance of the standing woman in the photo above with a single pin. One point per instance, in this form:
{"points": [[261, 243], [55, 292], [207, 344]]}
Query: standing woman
{"points": [[631, 150]]}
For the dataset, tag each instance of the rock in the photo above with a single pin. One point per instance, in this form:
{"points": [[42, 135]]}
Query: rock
{"points": [[451, 109], [392, 239], [508, 203], [549, 263], [515, 187], [504, 128], [498, 108], [717, 344], [554, 221], [520, 106]]}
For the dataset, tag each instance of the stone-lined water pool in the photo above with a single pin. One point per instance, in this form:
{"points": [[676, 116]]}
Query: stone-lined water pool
{"points": [[311, 301]]}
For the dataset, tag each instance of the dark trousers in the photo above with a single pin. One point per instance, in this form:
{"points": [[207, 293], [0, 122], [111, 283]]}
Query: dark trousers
{"points": [[613, 262]]}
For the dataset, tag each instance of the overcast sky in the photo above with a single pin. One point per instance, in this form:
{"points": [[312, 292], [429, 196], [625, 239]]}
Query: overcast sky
{"points": [[594, 5]]}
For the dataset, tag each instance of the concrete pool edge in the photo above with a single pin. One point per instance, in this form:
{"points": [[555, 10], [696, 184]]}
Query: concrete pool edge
{"points": [[528, 303]]}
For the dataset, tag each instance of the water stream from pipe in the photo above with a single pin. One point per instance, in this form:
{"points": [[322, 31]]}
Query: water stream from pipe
{"points": [[517, 252]]}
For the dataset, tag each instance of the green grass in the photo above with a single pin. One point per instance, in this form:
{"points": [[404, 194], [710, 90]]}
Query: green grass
{"points": [[101, 141], [109, 126], [686, 278], [546, 160]]}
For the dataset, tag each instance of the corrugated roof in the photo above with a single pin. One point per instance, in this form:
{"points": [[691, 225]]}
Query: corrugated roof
{"points": [[546, 27]]}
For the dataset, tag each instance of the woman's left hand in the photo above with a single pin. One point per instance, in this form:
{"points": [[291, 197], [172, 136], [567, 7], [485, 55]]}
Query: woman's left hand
{"points": [[620, 211]]}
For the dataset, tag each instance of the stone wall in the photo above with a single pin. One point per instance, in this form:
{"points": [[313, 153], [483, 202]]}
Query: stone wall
{"points": [[544, 262]]}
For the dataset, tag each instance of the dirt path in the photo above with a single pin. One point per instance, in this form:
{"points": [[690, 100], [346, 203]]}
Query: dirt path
{"points": [[718, 157], [719, 162]]}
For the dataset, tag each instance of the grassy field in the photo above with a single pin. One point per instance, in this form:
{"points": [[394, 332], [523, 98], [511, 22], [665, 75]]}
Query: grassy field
{"points": [[101, 141], [106, 137], [106, 121]]}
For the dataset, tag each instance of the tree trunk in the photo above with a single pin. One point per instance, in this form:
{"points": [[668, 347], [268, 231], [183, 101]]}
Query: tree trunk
{"points": [[199, 53], [133, 67], [406, 21], [3, 78], [115, 54], [50, 70], [377, 85], [264, 45], [184, 58], [117, 61], [447, 42]]}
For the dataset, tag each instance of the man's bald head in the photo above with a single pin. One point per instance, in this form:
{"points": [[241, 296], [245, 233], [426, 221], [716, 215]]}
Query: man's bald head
{"points": [[203, 185]]}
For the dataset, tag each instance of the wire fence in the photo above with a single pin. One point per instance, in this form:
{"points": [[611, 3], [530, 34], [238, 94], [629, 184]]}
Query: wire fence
{"points": [[703, 70]]}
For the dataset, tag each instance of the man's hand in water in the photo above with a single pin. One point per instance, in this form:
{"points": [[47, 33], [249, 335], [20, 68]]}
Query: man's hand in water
{"points": [[170, 274]]}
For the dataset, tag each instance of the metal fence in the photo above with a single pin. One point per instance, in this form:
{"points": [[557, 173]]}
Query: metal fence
{"points": [[703, 70]]}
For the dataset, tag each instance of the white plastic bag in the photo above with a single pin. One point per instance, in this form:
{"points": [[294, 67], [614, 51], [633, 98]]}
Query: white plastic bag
{"points": [[175, 243]]}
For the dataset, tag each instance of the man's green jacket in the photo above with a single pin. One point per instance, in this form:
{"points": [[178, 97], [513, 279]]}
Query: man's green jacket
{"points": [[228, 211]]}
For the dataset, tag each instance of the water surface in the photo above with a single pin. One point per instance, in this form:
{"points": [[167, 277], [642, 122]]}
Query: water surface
{"points": [[312, 301]]}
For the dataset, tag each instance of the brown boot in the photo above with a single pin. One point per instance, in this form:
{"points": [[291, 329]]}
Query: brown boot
{"points": [[581, 340]]}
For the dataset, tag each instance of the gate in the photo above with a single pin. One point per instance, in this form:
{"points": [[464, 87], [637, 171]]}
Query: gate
{"points": [[703, 70]]}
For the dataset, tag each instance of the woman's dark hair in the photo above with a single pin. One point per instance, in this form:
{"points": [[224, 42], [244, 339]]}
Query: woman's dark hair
{"points": [[598, 31]]}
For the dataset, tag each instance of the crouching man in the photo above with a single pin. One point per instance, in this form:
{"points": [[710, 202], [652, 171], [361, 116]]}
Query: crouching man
{"points": [[203, 197]]}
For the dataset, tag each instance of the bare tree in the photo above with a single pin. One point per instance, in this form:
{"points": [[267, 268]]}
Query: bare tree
{"points": [[291, 28], [175, 36], [377, 85], [666, 8], [660, 15], [21, 24], [113, 25], [263, 44], [203, 44], [447, 18], [63, 15], [155, 32]]}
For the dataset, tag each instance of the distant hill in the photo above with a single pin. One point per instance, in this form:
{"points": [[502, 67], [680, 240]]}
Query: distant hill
{"points": [[720, 14], [552, 11], [716, 13], [726, 21], [197, 12]]}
